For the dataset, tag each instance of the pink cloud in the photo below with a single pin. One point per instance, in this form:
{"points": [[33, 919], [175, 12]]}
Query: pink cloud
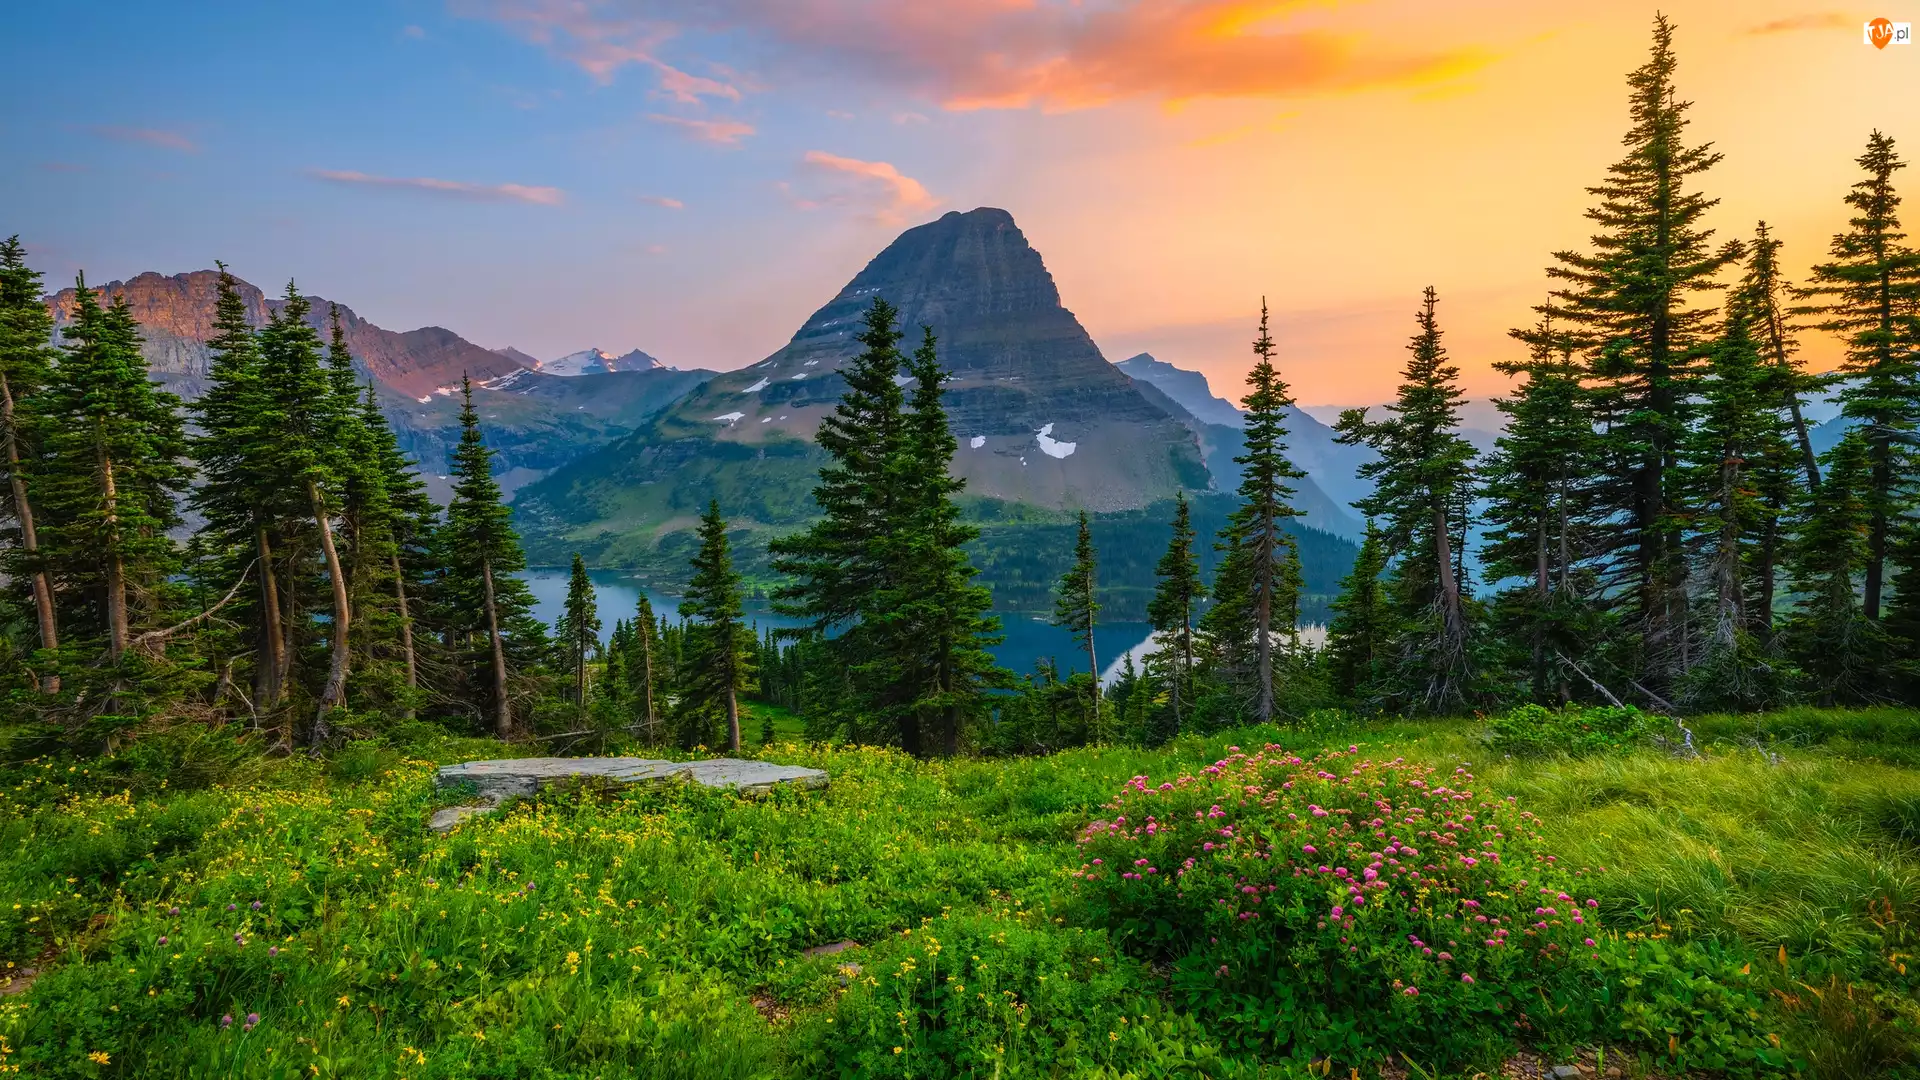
{"points": [[169, 140], [662, 200], [724, 132], [459, 189], [992, 54], [1816, 20], [900, 193]]}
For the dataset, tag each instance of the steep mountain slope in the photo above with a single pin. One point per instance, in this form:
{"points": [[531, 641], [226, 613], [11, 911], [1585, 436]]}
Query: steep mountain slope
{"points": [[536, 424], [1043, 420], [1333, 468]]}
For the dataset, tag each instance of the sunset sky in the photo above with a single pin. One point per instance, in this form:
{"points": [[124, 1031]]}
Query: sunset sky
{"points": [[694, 177]]}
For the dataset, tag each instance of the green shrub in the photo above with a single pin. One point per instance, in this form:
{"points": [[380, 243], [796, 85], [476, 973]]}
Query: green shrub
{"points": [[1536, 731]]}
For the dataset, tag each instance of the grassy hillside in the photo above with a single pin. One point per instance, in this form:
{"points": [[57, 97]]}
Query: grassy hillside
{"points": [[195, 910]]}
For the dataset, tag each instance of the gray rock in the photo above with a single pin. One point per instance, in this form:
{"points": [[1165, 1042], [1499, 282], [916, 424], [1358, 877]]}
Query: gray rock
{"points": [[1566, 1072], [496, 781]]}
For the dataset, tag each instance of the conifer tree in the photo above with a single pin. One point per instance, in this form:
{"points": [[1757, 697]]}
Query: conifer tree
{"points": [[720, 647], [240, 494], [837, 568], [1076, 607], [482, 596], [941, 620], [1170, 612], [1766, 291], [1422, 474], [641, 670], [1537, 485], [26, 359], [579, 628], [1627, 306], [399, 523], [1363, 626], [307, 456], [1737, 432], [1828, 635], [109, 476], [1252, 594], [1872, 293]]}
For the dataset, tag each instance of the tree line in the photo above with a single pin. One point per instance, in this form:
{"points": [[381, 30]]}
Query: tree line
{"points": [[1653, 527]]}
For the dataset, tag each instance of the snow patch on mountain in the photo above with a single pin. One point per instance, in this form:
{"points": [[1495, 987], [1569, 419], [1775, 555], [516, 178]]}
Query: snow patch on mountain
{"points": [[597, 362], [756, 387], [977, 441], [1052, 447], [730, 418]]}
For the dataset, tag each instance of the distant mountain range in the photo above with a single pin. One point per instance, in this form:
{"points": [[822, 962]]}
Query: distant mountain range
{"points": [[586, 362], [537, 421]]}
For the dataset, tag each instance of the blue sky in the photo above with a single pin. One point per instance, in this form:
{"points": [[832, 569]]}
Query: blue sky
{"points": [[694, 177]]}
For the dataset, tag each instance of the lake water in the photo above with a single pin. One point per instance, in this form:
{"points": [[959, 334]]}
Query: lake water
{"points": [[617, 592], [1029, 639]]}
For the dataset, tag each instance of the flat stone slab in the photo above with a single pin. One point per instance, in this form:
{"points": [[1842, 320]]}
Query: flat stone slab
{"points": [[497, 781]]}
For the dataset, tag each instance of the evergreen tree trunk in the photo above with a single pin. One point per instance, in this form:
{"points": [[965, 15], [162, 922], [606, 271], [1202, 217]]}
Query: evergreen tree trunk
{"points": [[1263, 626], [29, 539], [503, 713], [406, 630], [117, 629], [268, 670], [1880, 452], [646, 665], [733, 718], [334, 695]]}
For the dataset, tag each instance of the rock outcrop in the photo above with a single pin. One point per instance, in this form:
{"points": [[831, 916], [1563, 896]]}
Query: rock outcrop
{"points": [[493, 782]]}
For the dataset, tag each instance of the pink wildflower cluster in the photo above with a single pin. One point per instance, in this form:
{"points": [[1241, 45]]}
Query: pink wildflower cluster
{"points": [[1396, 865]]}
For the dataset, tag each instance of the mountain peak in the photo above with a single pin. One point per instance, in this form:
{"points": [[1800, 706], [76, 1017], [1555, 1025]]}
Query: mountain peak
{"points": [[1189, 388], [597, 362]]}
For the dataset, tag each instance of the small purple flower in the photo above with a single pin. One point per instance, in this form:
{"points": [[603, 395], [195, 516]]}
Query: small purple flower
{"points": [[233, 907], [226, 1021], [1468, 979], [252, 1019], [163, 939], [273, 950], [256, 905], [173, 911], [1412, 991]]}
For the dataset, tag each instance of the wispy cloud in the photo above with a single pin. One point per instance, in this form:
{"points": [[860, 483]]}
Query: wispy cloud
{"points": [[724, 132], [414, 32], [1812, 20], [458, 189], [662, 200], [1001, 54], [600, 39], [897, 192], [167, 140], [687, 88]]}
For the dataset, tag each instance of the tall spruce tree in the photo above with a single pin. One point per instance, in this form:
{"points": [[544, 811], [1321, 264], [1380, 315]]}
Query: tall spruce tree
{"points": [[1828, 634], [642, 670], [483, 598], [1076, 607], [937, 620], [837, 568], [109, 477], [1178, 590], [1422, 474], [1363, 627], [1254, 591], [579, 628], [26, 358], [1537, 487], [399, 525], [720, 646], [1739, 432], [308, 455], [1767, 294], [240, 493], [1871, 290], [1627, 306]]}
